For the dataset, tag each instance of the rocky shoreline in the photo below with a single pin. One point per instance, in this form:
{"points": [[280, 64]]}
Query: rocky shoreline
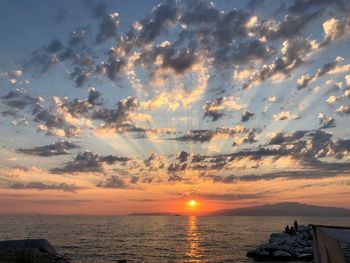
{"points": [[29, 251], [286, 246]]}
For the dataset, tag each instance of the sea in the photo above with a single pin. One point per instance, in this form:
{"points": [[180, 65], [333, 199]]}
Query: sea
{"points": [[104, 239]]}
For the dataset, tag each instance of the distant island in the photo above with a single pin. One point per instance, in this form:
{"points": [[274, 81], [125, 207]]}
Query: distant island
{"points": [[152, 214], [284, 209], [277, 209]]}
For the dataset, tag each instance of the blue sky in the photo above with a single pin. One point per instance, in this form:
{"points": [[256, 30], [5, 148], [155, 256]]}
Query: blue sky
{"points": [[173, 99]]}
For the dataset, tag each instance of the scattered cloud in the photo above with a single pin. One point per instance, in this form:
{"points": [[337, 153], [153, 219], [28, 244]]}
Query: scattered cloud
{"points": [[42, 186], [58, 148]]}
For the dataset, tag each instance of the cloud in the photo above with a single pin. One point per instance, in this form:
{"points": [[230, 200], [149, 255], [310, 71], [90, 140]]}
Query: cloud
{"points": [[54, 124], [332, 99], [108, 27], [54, 46], [326, 122], [293, 54], [285, 115], [335, 28], [113, 182], [172, 58], [219, 133], [183, 156], [248, 138], [197, 136], [155, 162], [301, 6], [280, 137], [58, 148], [118, 119], [230, 196], [343, 109], [347, 79], [89, 162], [291, 175], [201, 34], [246, 116], [42, 186], [334, 67], [213, 109], [19, 99], [291, 25]]}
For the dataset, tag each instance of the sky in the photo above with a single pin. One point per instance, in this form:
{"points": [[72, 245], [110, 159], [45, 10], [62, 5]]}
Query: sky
{"points": [[118, 107]]}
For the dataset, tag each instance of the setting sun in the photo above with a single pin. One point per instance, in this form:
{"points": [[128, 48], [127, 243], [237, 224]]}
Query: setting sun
{"points": [[192, 203]]}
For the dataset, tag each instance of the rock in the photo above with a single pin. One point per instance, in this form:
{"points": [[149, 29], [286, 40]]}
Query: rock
{"points": [[280, 237], [27, 245], [30, 250], [286, 247], [281, 253]]}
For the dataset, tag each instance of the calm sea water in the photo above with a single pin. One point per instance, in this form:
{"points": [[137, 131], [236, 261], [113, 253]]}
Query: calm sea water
{"points": [[151, 238]]}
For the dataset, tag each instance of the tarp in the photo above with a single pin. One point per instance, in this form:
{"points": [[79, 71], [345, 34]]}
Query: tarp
{"points": [[327, 244]]}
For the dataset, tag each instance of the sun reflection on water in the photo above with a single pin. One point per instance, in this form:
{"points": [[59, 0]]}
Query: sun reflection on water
{"points": [[193, 239]]}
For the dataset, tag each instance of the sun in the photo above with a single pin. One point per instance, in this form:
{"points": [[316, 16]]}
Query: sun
{"points": [[192, 203]]}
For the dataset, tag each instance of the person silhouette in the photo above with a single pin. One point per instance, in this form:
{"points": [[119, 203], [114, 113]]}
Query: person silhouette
{"points": [[296, 225], [287, 229], [292, 230]]}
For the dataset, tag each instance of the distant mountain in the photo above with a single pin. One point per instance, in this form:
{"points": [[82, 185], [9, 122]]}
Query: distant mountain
{"points": [[285, 209]]}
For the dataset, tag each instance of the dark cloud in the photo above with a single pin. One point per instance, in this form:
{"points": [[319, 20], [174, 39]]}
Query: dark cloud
{"points": [[229, 196], [58, 148], [19, 99], [248, 138], [293, 55], [211, 109], [119, 118], [207, 135], [53, 124], [80, 76], [113, 182], [281, 137], [41, 61], [76, 52], [108, 27], [197, 136], [42, 186], [134, 179], [174, 167], [66, 116], [77, 37], [160, 20], [199, 30], [318, 170], [289, 27], [95, 97], [246, 116], [326, 122], [183, 156], [55, 46], [304, 80], [214, 108], [175, 177], [309, 146], [301, 6], [89, 162], [154, 162]]}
